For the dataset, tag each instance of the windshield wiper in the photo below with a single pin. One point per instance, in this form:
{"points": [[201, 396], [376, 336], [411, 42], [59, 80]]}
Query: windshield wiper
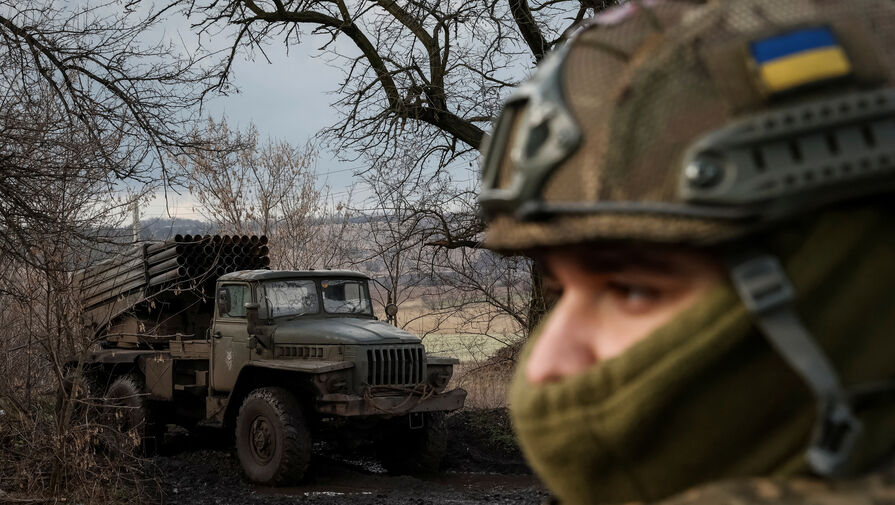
{"points": [[297, 315]]}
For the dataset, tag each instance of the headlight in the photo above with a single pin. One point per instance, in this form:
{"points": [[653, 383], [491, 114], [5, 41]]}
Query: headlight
{"points": [[439, 376], [333, 382]]}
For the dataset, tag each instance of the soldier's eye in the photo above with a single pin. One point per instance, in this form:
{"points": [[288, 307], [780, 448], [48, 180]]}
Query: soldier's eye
{"points": [[551, 286], [634, 296]]}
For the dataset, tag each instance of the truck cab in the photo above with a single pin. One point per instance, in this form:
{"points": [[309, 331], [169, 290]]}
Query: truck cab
{"points": [[316, 316], [319, 322]]}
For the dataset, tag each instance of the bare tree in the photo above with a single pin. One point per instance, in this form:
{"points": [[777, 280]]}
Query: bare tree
{"points": [[67, 216], [84, 69], [477, 297], [435, 69], [88, 112], [428, 73], [394, 231], [245, 186], [486, 296]]}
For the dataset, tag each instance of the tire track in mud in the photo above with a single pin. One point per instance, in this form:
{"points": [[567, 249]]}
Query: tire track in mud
{"points": [[482, 466], [214, 477]]}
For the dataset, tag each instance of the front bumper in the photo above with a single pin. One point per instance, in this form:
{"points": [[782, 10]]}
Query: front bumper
{"points": [[390, 405]]}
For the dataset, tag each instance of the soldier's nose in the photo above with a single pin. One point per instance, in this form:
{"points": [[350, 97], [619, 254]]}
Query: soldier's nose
{"points": [[565, 346]]}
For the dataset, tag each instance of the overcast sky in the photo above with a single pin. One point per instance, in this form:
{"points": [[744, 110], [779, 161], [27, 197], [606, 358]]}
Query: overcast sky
{"points": [[287, 99]]}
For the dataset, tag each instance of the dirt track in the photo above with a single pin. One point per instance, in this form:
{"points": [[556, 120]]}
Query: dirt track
{"points": [[477, 470]]}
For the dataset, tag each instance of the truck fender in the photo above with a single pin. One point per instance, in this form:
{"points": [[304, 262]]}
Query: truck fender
{"points": [[299, 365], [439, 361], [118, 356], [254, 375], [108, 364]]}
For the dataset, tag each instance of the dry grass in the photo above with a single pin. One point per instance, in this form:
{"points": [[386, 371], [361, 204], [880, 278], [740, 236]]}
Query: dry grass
{"points": [[50, 457], [487, 385]]}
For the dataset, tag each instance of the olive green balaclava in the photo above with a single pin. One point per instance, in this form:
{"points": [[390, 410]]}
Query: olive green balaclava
{"points": [[705, 397]]}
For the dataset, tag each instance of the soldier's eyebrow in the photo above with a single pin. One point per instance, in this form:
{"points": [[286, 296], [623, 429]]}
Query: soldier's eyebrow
{"points": [[616, 260], [602, 259]]}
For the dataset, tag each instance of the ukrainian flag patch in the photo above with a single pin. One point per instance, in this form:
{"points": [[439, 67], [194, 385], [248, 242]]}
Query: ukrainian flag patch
{"points": [[798, 58]]}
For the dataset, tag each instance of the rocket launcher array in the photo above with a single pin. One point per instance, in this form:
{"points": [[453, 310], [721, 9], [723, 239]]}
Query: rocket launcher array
{"points": [[189, 262]]}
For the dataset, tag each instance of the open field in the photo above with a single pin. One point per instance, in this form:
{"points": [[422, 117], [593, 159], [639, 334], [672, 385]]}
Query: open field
{"points": [[475, 336], [468, 348], [472, 332]]}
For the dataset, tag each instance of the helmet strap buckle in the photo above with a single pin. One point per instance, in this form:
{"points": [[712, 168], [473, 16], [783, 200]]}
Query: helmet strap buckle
{"points": [[768, 294], [834, 438]]}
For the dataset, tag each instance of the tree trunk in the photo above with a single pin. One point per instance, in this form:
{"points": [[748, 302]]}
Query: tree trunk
{"points": [[541, 301]]}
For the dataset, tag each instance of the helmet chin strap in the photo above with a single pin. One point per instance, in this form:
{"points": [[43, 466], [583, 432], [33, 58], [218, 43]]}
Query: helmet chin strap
{"points": [[768, 294]]}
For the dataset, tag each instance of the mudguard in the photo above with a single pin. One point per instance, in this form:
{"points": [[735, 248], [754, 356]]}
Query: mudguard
{"points": [[220, 409], [300, 365]]}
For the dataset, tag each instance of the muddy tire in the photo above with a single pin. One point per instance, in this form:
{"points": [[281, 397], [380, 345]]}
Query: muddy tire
{"points": [[418, 452], [127, 420], [272, 438]]}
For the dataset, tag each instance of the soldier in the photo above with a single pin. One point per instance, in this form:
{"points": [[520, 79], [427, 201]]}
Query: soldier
{"points": [[709, 186]]}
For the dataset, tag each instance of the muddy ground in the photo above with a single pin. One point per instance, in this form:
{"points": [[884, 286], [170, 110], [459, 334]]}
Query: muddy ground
{"points": [[483, 465]]}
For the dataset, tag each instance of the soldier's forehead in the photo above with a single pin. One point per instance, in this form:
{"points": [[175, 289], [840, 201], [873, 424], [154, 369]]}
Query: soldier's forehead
{"points": [[614, 257]]}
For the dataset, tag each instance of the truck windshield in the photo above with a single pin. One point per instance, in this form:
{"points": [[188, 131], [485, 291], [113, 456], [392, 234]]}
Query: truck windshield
{"points": [[291, 297], [344, 296]]}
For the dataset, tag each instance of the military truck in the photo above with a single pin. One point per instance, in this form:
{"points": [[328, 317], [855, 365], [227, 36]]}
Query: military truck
{"points": [[271, 356]]}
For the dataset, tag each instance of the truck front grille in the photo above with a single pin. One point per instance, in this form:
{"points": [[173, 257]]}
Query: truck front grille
{"points": [[398, 365]]}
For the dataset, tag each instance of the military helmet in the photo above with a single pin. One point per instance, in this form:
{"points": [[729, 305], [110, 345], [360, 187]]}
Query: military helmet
{"points": [[675, 122], [667, 121]]}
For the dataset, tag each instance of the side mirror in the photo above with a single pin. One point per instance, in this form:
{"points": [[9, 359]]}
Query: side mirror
{"points": [[391, 310], [223, 302], [252, 326], [252, 317]]}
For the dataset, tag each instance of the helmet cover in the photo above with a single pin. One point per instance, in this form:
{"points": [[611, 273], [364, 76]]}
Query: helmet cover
{"points": [[665, 121]]}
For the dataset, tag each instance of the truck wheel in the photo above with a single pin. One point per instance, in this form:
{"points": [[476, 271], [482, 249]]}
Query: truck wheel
{"points": [[76, 392], [127, 414], [418, 451], [272, 439]]}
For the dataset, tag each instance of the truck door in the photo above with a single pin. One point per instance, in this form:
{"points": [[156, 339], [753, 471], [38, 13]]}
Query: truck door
{"points": [[230, 340]]}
